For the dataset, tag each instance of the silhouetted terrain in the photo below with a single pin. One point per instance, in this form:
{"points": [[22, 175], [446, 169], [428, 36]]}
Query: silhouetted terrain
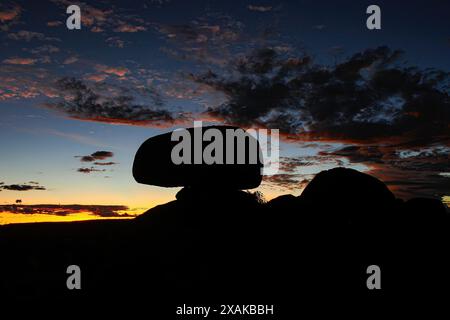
{"points": [[212, 244], [223, 245]]}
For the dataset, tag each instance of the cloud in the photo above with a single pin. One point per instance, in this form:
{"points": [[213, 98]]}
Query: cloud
{"points": [[105, 211], [105, 163], [368, 97], [287, 181], [408, 171], [207, 40], [98, 155], [70, 60], [54, 23], [118, 71], [20, 61], [78, 138], [20, 78], [94, 157], [102, 155], [45, 49], [10, 14], [22, 187], [129, 28], [97, 29], [115, 42], [295, 172], [89, 170], [259, 8], [86, 158], [29, 36], [111, 104]]}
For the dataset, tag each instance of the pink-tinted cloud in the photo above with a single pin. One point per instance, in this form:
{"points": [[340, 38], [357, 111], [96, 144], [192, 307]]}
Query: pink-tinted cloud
{"points": [[54, 23], [20, 61], [89, 170], [70, 60], [26, 35], [129, 28], [97, 29], [97, 77], [10, 14], [259, 8], [118, 71]]}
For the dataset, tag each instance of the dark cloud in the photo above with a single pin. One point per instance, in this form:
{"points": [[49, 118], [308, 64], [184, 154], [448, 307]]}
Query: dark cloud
{"points": [[87, 159], [98, 155], [293, 164], [94, 157], [101, 155], [372, 102], [288, 181], [103, 18], [105, 163], [21, 187], [368, 97], [409, 172], [105, 211], [292, 176], [108, 103], [115, 42], [90, 170]]}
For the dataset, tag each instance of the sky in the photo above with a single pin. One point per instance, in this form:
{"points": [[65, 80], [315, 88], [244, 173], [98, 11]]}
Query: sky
{"points": [[75, 105]]}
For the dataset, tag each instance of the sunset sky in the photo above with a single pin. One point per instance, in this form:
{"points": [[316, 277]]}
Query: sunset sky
{"points": [[75, 105]]}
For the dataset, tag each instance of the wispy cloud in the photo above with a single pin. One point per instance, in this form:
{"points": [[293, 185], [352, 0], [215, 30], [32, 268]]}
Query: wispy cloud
{"points": [[259, 8], [118, 71], [20, 61], [30, 35], [10, 14], [89, 170], [22, 187], [111, 104], [105, 211]]}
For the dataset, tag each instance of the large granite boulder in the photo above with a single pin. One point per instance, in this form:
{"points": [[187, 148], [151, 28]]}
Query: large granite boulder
{"points": [[343, 185], [154, 165]]}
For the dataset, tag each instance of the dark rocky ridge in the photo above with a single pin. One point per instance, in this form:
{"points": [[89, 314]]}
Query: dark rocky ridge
{"points": [[223, 245]]}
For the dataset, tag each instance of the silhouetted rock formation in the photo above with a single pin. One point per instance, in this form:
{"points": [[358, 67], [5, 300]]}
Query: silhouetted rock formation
{"points": [[153, 163], [216, 242], [347, 187]]}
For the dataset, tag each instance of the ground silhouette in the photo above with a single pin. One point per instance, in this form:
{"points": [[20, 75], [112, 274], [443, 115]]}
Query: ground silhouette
{"points": [[225, 245]]}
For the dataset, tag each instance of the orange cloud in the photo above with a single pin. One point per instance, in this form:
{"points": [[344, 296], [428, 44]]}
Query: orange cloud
{"points": [[97, 77], [70, 60], [129, 28], [9, 15], [20, 61], [118, 71]]}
